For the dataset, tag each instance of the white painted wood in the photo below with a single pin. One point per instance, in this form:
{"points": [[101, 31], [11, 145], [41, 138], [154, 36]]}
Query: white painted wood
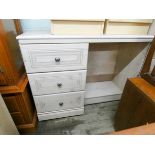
{"points": [[102, 59], [119, 28], [124, 26], [97, 89], [60, 114], [142, 21], [46, 37], [102, 99], [43, 64], [41, 57], [101, 92], [152, 28], [39, 52], [86, 40], [48, 83], [56, 102], [77, 27], [129, 62]]}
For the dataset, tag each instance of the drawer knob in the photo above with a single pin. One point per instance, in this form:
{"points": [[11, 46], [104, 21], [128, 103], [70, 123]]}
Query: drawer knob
{"points": [[59, 84], [57, 59], [61, 103]]}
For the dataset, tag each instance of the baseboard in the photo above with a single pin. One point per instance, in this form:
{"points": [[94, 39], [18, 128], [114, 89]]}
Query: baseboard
{"points": [[60, 114], [102, 99]]}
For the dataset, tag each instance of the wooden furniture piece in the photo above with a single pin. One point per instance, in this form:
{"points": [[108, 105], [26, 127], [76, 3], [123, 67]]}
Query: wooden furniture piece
{"points": [[128, 26], [137, 105], [14, 85], [18, 26], [56, 66], [77, 27], [57, 76], [100, 27], [11, 67], [148, 129]]}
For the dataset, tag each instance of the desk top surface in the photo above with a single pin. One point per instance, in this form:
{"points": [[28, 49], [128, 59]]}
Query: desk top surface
{"points": [[47, 37]]}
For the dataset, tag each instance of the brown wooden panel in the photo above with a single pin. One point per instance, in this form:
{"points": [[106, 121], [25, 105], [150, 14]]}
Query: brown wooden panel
{"points": [[148, 129], [9, 68], [13, 80], [18, 26], [18, 118], [18, 88], [11, 103], [151, 112], [137, 105], [153, 71], [29, 128], [21, 107], [2, 79], [149, 78], [26, 105]]}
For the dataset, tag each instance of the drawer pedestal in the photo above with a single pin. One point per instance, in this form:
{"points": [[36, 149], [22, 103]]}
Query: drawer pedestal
{"points": [[57, 76]]}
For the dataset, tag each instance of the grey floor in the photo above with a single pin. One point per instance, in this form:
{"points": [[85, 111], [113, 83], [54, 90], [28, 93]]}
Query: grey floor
{"points": [[97, 119]]}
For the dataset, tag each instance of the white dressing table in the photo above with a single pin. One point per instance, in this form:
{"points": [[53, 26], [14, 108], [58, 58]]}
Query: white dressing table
{"points": [[57, 68]]}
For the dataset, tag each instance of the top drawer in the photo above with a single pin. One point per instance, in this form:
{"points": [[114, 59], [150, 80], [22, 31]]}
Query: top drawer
{"points": [[54, 57]]}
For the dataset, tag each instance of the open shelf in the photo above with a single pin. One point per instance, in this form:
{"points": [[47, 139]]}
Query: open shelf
{"points": [[109, 66], [97, 92]]}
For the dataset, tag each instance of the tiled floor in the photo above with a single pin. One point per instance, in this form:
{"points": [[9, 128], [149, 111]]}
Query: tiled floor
{"points": [[97, 119]]}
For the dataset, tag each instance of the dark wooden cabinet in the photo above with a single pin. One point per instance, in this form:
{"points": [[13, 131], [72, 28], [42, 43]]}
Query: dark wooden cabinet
{"points": [[137, 105], [21, 109], [19, 106], [14, 85]]}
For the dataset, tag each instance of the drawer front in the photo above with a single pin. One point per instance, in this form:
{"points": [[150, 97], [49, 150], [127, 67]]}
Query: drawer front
{"points": [[57, 82], [58, 102], [54, 57]]}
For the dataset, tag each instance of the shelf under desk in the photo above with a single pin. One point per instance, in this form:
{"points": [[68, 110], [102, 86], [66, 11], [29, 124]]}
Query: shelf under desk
{"points": [[97, 92]]}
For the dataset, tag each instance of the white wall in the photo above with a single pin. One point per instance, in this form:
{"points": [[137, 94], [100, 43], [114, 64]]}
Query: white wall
{"points": [[7, 126]]}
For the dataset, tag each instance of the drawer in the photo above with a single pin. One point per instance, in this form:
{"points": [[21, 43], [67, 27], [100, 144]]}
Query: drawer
{"points": [[58, 102], [57, 82], [54, 57]]}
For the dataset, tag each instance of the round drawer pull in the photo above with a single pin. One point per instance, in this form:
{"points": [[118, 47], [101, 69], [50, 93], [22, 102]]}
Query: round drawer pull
{"points": [[57, 59], [59, 84], [61, 103]]}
